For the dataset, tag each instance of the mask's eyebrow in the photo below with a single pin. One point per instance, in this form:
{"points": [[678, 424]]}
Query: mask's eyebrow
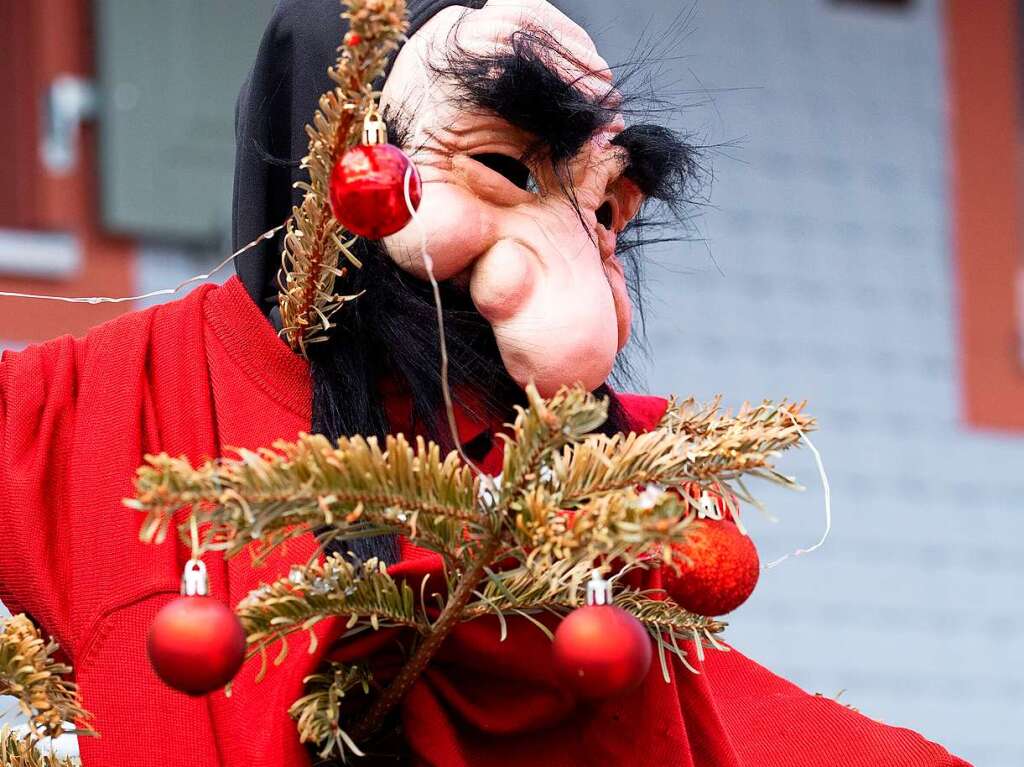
{"points": [[524, 86], [661, 163]]}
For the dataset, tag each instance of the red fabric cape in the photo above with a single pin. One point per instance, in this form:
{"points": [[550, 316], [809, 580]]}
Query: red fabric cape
{"points": [[207, 373]]}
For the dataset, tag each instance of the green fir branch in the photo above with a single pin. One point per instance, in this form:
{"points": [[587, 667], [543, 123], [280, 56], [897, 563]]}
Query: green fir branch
{"points": [[363, 593], [317, 714], [31, 674], [19, 751], [270, 496]]}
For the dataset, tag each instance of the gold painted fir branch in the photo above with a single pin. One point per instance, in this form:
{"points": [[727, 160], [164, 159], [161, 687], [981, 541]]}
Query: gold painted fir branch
{"points": [[362, 593], [358, 486], [31, 674], [567, 501], [16, 751], [552, 464], [315, 242], [317, 712]]}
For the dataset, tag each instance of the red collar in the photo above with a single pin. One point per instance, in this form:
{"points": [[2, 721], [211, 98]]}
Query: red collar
{"points": [[471, 425]]}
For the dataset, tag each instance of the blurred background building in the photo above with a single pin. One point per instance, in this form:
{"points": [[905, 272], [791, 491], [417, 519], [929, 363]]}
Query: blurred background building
{"points": [[861, 249]]}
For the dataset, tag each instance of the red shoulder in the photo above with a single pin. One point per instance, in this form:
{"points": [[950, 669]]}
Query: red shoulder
{"points": [[140, 326], [122, 331]]}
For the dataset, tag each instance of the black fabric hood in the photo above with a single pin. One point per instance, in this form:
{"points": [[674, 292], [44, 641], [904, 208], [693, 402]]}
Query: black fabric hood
{"points": [[277, 100]]}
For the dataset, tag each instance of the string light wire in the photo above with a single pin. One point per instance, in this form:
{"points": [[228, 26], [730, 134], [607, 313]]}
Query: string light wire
{"points": [[428, 264], [827, 490], [152, 294]]}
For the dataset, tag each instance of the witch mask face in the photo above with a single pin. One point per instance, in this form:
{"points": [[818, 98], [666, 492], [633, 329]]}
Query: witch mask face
{"points": [[512, 120]]}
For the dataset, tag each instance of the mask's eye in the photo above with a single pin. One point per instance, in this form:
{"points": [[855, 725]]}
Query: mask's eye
{"points": [[509, 167]]}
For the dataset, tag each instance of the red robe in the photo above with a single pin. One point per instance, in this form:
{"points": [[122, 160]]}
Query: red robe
{"points": [[208, 372]]}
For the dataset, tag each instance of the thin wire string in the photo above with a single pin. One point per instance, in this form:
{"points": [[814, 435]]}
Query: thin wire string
{"points": [[428, 264], [193, 529], [826, 488], [152, 294]]}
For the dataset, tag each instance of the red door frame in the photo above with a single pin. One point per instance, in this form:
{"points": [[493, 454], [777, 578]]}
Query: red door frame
{"points": [[985, 144], [40, 40]]}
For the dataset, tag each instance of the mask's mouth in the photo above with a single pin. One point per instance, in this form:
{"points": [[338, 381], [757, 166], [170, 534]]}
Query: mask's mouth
{"points": [[616, 275], [606, 242]]}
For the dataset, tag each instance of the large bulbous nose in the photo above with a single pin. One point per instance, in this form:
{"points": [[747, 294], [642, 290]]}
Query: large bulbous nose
{"points": [[555, 325]]}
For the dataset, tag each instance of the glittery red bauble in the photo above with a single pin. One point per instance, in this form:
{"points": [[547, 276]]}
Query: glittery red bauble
{"points": [[368, 190], [718, 568], [196, 644], [601, 651]]}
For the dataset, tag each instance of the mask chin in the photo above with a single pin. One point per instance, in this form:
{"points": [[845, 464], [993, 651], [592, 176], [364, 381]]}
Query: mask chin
{"points": [[550, 361]]}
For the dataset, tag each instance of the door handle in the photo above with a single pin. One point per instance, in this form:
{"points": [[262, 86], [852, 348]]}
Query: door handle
{"points": [[69, 101]]}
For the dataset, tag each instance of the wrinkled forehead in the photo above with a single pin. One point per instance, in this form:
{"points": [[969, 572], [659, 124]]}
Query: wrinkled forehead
{"points": [[490, 31]]}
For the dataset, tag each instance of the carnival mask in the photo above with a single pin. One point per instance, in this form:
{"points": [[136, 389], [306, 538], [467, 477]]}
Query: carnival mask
{"points": [[513, 121]]}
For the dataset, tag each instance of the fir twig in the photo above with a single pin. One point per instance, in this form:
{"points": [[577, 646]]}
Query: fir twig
{"points": [[364, 593], [317, 713], [18, 751], [625, 527], [315, 242], [663, 617], [356, 487], [560, 587], [702, 446], [542, 428], [29, 672]]}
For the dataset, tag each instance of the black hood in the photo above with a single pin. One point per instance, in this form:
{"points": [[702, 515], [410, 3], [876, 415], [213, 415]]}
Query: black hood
{"points": [[277, 100]]}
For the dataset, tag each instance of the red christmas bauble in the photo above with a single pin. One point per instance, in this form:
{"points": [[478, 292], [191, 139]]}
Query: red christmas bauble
{"points": [[196, 644], [718, 568], [368, 190], [601, 651]]}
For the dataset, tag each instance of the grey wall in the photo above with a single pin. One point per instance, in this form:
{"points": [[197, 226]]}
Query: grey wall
{"points": [[830, 226]]}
